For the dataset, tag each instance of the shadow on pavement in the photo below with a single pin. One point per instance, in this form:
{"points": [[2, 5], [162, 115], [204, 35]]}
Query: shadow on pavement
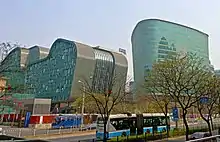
{"points": [[4, 137], [8, 138]]}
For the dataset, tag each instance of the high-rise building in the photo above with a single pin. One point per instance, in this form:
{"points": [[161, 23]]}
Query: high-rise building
{"points": [[217, 72], [61, 72], [153, 39]]}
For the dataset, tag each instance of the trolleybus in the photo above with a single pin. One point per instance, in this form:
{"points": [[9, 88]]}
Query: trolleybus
{"points": [[132, 124]]}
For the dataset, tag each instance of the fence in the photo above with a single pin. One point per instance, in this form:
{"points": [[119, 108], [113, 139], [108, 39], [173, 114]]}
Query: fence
{"points": [[29, 132]]}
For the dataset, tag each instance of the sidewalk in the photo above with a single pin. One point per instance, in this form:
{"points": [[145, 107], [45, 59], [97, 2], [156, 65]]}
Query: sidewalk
{"points": [[61, 135]]}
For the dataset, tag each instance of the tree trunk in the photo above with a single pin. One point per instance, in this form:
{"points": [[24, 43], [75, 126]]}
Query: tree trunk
{"points": [[167, 120], [105, 130], [211, 122], [186, 124], [209, 127]]}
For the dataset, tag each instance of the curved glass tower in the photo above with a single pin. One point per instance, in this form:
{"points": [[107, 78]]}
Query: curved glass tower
{"points": [[153, 39]]}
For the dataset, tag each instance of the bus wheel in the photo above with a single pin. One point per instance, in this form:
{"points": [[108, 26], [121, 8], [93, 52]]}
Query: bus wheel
{"points": [[123, 134]]}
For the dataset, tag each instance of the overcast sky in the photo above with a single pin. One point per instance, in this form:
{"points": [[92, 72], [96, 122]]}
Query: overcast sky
{"points": [[108, 23]]}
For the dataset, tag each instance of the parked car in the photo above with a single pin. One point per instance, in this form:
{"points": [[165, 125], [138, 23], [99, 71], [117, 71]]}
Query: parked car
{"points": [[199, 135]]}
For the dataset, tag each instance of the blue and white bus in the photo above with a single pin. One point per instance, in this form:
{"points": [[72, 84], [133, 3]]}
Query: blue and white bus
{"points": [[124, 124]]}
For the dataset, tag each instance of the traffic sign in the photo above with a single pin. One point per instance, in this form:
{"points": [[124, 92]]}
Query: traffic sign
{"points": [[204, 100], [175, 114]]}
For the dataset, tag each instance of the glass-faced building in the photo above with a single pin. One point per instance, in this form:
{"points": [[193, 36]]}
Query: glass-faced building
{"points": [[153, 39], [61, 72], [13, 66]]}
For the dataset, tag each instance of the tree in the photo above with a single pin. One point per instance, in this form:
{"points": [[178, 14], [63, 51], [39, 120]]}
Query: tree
{"points": [[90, 106], [110, 94], [209, 100], [7, 98], [160, 96], [180, 76], [124, 107], [145, 104]]}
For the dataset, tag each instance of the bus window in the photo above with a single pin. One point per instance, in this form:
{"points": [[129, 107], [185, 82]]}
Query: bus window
{"points": [[120, 123], [132, 122], [100, 120], [163, 121], [114, 123], [147, 122], [156, 121], [125, 124]]}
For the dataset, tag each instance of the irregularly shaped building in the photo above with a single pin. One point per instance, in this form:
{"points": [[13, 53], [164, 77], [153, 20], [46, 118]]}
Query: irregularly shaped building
{"points": [[153, 39], [61, 72], [13, 66]]}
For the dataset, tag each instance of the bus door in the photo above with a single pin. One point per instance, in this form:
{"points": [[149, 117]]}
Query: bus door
{"points": [[140, 125], [133, 126]]}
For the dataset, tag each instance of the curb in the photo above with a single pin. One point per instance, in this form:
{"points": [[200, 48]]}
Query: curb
{"points": [[61, 135]]}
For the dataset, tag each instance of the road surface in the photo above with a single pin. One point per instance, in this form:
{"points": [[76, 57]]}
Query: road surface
{"points": [[90, 138], [74, 139]]}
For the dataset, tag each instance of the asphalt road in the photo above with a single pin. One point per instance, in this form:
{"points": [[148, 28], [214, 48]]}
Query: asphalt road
{"points": [[90, 138], [85, 138], [21, 132]]}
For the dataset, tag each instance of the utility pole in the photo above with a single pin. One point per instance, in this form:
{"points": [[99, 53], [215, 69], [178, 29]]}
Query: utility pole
{"points": [[83, 103]]}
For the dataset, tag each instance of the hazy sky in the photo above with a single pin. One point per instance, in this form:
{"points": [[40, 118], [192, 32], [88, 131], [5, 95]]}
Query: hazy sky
{"points": [[108, 23]]}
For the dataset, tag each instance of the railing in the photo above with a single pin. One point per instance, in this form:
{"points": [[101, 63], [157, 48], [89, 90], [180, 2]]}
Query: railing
{"points": [[215, 138], [29, 132]]}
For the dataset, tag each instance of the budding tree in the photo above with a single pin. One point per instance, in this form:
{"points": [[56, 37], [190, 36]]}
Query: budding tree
{"points": [[180, 77], [155, 88], [208, 103]]}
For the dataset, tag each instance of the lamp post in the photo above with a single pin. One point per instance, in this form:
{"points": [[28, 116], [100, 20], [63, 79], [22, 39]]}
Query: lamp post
{"points": [[83, 102]]}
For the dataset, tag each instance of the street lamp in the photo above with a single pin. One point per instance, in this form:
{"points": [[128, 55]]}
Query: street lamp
{"points": [[83, 102]]}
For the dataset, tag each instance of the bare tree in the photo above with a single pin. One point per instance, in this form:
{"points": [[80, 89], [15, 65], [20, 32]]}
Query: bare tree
{"points": [[107, 97], [180, 76], [208, 103]]}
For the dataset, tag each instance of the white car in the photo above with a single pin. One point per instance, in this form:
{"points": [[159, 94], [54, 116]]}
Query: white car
{"points": [[199, 135]]}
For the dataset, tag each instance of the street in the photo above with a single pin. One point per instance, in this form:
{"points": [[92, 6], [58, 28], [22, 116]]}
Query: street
{"points": [[22, 132], [86, 138], [90, 138]]}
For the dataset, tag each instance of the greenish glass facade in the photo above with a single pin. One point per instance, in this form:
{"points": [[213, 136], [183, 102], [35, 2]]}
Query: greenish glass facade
{"points": [[153, 39], [59, 73], [51, 77], [13, 66]]}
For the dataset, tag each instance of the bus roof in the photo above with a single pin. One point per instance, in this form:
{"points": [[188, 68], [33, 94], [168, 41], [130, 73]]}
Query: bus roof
{"points": [[134, 115], [154, 114]]}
